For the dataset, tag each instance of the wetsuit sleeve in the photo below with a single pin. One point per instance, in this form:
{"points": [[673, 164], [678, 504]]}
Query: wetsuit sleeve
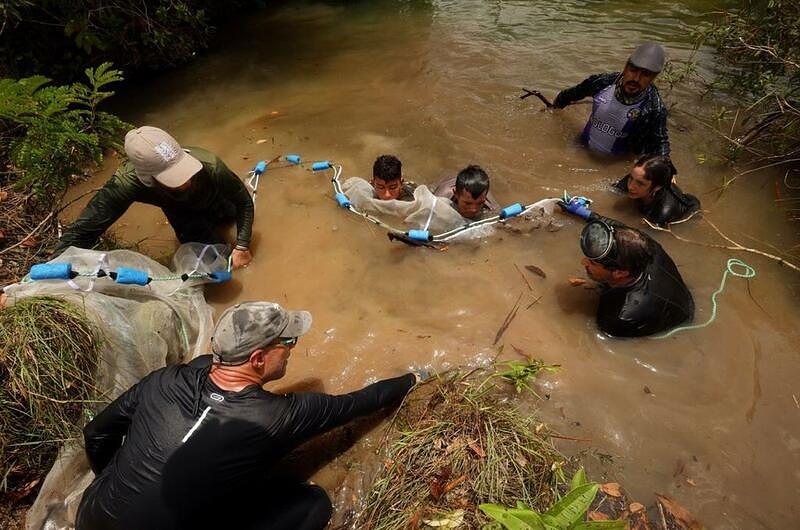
{"points": [[104, 434], [233, 189], [103, 210], [314, 413], [588, 87]]}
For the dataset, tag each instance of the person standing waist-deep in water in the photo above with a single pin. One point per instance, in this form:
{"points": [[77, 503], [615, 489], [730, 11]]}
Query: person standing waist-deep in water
{"points": [[193, 187], [628, 114]]}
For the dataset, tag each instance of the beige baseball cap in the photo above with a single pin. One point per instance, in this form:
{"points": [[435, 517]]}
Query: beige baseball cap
{"points": [[250, 325], [156, 155]]}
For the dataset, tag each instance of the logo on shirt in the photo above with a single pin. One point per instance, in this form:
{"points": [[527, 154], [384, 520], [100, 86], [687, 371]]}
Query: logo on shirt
{"points": [[607, 128], [216, 397], [165, 151], [634, 114]]}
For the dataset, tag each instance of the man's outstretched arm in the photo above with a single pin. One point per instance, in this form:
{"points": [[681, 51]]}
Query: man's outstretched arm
{"points": [[588, 87]]}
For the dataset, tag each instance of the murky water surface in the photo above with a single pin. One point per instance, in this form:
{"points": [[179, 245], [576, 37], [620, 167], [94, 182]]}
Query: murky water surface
{"points": [[437, 84]]}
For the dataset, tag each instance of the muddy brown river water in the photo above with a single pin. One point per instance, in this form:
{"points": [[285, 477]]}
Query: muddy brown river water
{"points": [[438, 84]]}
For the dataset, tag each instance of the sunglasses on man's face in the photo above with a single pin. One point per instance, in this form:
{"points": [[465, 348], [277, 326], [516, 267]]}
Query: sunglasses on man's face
{"points": [[291, 341]]}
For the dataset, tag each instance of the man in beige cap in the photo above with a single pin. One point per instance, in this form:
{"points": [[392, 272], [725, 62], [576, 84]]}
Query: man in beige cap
{"points": [[628, 114], [193, 446], [193, 187]]}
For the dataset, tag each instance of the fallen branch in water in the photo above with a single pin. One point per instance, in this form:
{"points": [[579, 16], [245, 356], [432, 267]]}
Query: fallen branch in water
{"points": [[733, 244], [507, 322]]}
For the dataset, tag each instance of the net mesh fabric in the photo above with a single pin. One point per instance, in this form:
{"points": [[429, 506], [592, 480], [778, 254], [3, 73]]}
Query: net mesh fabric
{"points": [[142, 328], [413, 214]]}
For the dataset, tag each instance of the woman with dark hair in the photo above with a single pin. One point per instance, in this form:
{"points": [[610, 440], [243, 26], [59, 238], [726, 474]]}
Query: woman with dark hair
{"points": [[660, 200]]}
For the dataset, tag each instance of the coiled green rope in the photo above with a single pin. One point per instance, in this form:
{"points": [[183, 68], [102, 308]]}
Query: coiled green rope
{"points": [[747, 272]]}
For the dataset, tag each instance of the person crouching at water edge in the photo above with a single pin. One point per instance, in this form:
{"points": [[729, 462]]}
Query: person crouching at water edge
{"points": [[469, 193], [192, 446], [388, 181], [193, 187], [642, 292], [628, 114], [661, 201]]}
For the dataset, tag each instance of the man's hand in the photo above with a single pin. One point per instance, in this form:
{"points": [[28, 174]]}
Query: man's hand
{"points": [[577, 206], [421, 373], [240, 258]]}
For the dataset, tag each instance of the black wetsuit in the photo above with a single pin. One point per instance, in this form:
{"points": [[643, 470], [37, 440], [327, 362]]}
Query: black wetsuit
{"points": [[670, 205], [656, 301], [219, 477]]}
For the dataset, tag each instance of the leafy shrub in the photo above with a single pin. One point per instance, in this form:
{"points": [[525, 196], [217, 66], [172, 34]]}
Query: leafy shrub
{"points": [[73, 34], [50, 133], [759, 44]]}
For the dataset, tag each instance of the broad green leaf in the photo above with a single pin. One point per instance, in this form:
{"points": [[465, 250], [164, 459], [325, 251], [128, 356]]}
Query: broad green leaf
{"points": [[573, 505], [579, 479], [510, 518], [599, 525]]}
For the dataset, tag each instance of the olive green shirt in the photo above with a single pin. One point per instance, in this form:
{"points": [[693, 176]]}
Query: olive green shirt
{"points": [[213, 184]]}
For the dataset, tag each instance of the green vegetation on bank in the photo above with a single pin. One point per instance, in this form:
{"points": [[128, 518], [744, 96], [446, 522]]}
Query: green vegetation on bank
{"points": [[759, 47], [50, 133], [60, 38], [47, 373]]}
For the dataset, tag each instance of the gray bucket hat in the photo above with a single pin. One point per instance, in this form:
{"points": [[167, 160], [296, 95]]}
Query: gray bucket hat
{"points": [[157, 155], [649, 56], [250, 325]]}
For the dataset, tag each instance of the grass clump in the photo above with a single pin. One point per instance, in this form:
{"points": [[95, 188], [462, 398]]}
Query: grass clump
{"points": [[458, 442], [48, 364]]}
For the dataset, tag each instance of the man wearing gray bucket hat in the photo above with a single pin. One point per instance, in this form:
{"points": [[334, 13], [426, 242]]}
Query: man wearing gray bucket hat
{"points": [[628, 114], [193, 187], [194, 446]]}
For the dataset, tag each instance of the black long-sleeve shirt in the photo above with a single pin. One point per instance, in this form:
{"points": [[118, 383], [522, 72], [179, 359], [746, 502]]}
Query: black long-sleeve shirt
{"points": [[214, 183], [649, 134], [173, 447]]}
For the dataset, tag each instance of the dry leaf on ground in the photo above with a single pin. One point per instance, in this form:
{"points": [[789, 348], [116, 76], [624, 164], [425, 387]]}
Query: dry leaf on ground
{"points": [[612, 488]]}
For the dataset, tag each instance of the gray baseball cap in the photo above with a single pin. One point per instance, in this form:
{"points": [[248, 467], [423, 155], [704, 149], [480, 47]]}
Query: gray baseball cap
{"points": [[156, 155], [649, 56], [250, 325]]}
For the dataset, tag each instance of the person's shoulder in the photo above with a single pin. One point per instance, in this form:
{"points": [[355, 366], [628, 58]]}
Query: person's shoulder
{"points": [[202, 154], [444, 188]]}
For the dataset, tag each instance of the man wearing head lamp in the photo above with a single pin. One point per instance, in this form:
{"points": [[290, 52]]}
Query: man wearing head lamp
{"points": [[642, 291], [628, 114]]}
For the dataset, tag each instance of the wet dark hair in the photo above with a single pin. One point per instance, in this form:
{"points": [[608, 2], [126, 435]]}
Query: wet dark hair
{"points": [[387, 168], [634, 251], [657, 169], [473, 179]]}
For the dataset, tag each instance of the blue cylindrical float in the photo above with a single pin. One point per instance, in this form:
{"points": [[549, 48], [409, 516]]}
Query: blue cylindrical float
{"points": [[131, 276], [419, 235], [294, 159], [260, 167], [220, 276], [319, 166], [511, 211], [342, 199], [51, 271]]}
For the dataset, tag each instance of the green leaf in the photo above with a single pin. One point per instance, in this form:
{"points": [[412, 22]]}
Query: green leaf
{"points": [[573, 505], [579, 479], [513, 518]]}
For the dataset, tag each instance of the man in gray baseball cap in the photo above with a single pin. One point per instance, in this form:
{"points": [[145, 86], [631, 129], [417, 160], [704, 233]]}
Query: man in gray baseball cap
{"points": [[193, 187], [628, 114], [209, 428]]}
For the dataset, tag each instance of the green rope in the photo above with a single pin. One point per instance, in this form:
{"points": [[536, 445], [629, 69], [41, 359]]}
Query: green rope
{"points": [[747, 272]]}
